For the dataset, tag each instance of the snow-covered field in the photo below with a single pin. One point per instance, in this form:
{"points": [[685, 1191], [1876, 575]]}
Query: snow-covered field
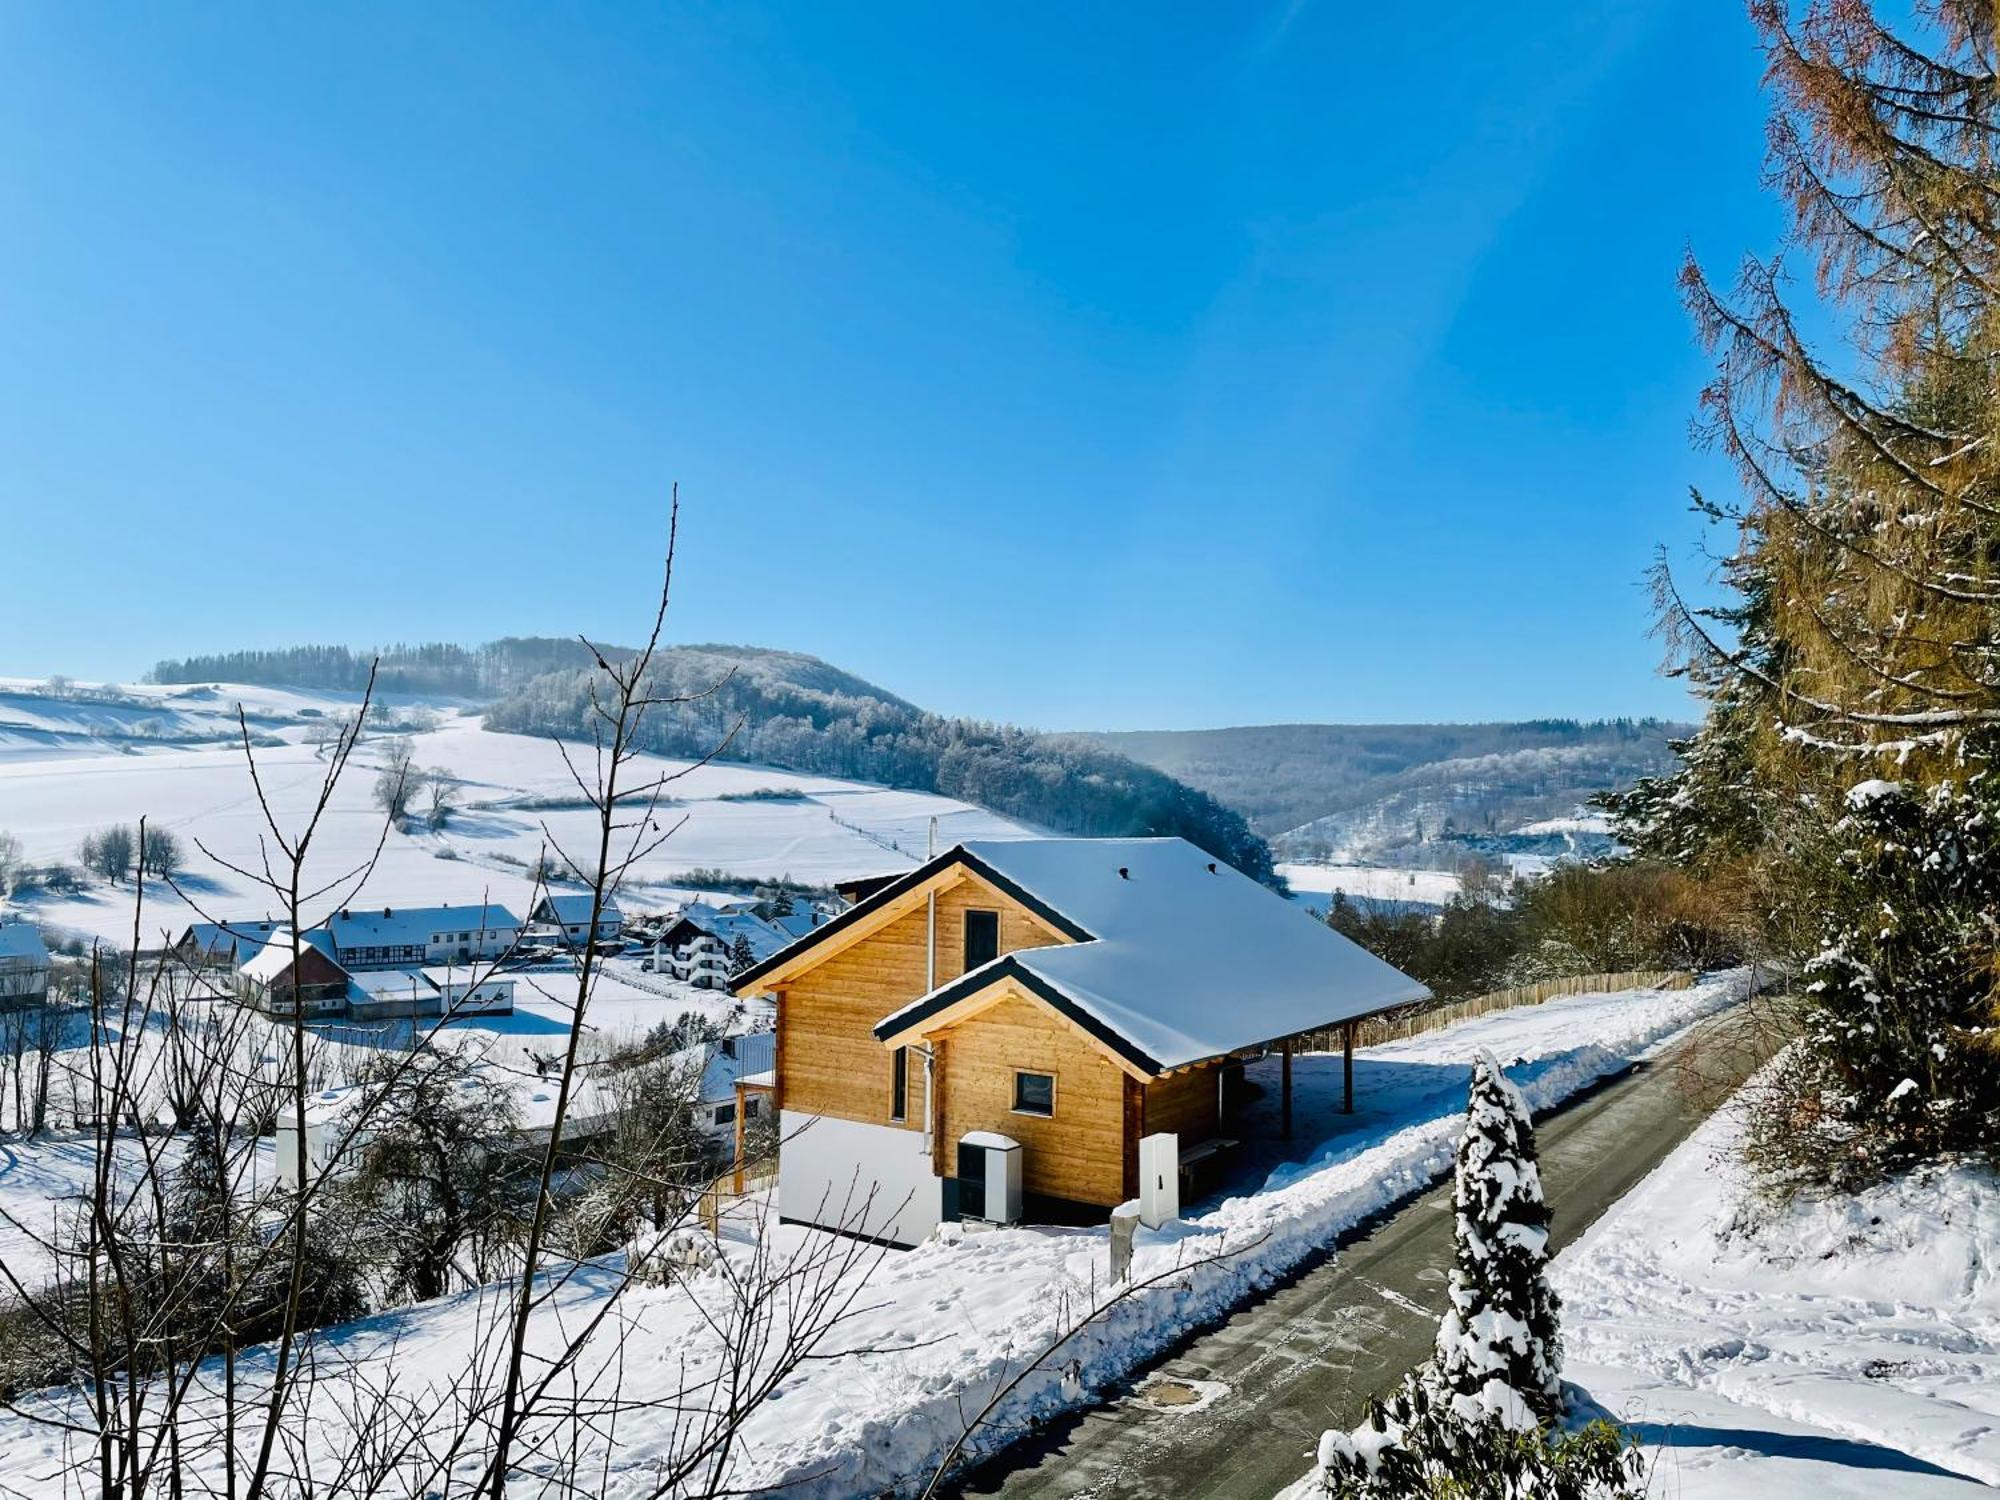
{"points": [[1373, 883], [70, 767], [946, 1323], [1846, 1347]]}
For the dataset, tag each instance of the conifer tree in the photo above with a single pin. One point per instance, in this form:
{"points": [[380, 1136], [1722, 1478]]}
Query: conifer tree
{"points": [[1900, 984], [1479, 1419], [740, 956], [1498, 1347], [1862, 644]]}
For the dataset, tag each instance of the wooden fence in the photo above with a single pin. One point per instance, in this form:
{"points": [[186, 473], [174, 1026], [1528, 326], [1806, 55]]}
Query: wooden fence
{"points": [[1430, 1016]]}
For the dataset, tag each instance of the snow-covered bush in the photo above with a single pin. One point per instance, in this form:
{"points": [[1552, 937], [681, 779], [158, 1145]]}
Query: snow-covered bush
{"points": [[1897, 1065], [1418, 1446], [1475, 1420]]}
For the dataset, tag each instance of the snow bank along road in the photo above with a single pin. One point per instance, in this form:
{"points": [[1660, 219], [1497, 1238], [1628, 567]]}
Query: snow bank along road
{"points": [[1848, 1345], [1270, 1379]]}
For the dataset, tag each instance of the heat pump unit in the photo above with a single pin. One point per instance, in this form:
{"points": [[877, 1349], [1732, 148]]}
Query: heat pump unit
{"points": [[989, 1177]]}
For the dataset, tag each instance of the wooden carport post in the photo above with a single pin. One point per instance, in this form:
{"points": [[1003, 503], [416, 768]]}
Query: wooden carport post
{"points": [[1347, 1068], [742, 1100], [1285, 1088]]}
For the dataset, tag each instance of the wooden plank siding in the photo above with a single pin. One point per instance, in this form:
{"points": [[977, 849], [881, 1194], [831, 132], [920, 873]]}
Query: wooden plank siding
{"points": [[1186, 1104], [1078, 1152], [829, 1061]]}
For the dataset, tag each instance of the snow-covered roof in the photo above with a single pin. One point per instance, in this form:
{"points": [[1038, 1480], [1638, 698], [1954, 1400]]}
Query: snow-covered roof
{"points": [[271, 960], [737, 1057], [393, 984], [798, 924], [22, 940], [1175, 957], [764, 938], [534, 1100], [440, 975], [572, 911], [220, 939], [412, 926]]}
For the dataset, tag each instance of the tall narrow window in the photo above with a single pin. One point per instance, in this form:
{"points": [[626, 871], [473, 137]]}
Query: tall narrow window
{"points": [[899, 1084], [982, 938]]}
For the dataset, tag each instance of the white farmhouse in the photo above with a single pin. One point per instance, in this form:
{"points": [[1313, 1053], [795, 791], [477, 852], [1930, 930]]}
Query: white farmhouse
{"points": [[394, 937]]}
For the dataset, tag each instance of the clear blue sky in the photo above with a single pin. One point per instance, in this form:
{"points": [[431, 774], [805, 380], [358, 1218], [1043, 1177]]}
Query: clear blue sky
{"points": [[1074, 365]]}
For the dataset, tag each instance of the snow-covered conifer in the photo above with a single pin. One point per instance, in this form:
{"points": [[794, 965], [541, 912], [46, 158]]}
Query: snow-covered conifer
{"points": [[1477, 1419], [1499, 1351]]}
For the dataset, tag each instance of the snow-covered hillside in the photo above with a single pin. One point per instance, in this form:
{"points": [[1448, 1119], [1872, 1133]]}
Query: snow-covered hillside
{"points": [[1764, 1355], [71, 765]]}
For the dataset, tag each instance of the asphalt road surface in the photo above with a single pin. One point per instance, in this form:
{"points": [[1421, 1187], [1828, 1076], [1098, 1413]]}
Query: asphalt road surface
{"points": [[1237, 1413]]}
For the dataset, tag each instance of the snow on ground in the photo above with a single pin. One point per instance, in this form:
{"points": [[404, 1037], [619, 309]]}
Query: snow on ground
{"points": [[1376, 883], [1858, 1332], [57, 787], [1576, 822], [943, 1325]]}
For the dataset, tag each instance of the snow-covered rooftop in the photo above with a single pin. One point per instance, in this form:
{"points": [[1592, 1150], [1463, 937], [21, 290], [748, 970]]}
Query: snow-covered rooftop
{"points": [[751, 1055], [22, 940], [271, 960], [1177, 957], [412, 926], [572, 910], [393, 984], [234, 936]]}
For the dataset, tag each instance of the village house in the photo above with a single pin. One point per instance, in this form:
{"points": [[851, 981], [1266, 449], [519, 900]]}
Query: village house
{"points": [[724, 1063], [326, 984], [1055, 1001], [223, 945], [566, 920], [700, 944], [281, 981], [383, 994], [392, 937], [24, 966]]}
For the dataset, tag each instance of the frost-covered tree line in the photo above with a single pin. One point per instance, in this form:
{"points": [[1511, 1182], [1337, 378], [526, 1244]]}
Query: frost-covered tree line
{"points": [[436, 667], [1843, 781]]}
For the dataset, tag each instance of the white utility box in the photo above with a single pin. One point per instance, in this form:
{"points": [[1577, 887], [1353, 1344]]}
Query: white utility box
{"points": [[989, 1177], [1159, 1179]]}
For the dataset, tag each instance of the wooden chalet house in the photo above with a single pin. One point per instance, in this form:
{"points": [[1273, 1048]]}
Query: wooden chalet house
{"points": [[1071, 995]]}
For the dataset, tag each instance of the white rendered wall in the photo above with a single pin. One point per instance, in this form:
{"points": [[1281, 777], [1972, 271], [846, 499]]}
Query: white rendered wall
{"points": [[865, 1179]]}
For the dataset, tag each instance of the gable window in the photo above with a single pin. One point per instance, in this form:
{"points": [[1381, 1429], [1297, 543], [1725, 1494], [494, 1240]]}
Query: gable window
{"points": [[1034, 1093], [982, 938], [899, 1084]]}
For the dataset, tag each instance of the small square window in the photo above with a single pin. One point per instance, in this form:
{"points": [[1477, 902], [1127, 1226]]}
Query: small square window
{"points": [[1034, 1093], [725, 1114]]}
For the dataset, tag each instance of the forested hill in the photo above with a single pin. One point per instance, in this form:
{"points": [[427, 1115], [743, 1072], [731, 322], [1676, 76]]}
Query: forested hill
{"points": [[1342, 788], [786, 709]]}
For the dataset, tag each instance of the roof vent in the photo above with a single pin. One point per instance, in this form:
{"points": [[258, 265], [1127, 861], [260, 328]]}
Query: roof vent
{"points": [[1124, 873], [387, 912], [1211, 868]]}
